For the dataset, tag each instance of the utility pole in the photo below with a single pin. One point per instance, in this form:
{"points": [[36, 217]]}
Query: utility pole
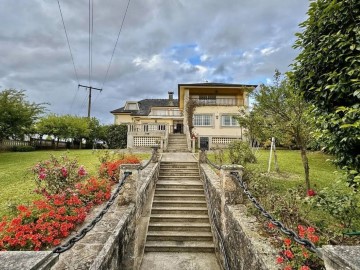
{"points": [[90, 88]]}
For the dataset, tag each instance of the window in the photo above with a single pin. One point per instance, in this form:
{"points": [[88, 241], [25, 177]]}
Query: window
{"points": [[131, 106], [229, 121], [202, 120]]}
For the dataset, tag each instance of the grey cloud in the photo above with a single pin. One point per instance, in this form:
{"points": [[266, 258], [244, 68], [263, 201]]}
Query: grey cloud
{"points": [[244, 41]]}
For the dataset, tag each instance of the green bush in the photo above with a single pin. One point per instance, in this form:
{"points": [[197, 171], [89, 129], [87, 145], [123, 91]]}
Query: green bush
{"points": [[241, 153], [23, 148], [116, 136]]}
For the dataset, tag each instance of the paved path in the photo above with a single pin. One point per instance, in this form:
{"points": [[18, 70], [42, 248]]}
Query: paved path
{"points": [[178, 157]]}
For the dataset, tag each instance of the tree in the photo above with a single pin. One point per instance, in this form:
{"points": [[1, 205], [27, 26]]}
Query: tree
{"points": [[17, 115], [116, 136], [286, 115], [327, 71]]}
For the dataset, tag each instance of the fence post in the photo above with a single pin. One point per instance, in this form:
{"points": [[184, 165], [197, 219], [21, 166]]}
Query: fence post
{"points": [[230, 191], [202, 155], [155, 154], [128, 193]]}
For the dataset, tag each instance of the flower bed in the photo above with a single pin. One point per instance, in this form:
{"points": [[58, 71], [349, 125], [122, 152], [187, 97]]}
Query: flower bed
{"points": [[68, 196]]}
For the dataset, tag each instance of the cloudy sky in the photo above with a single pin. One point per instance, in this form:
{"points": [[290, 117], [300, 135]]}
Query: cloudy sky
{"points": [[162, 43]]}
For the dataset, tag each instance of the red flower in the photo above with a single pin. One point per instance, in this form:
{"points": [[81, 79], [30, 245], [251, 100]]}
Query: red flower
{"points": [[311, 193], [304, 267], [287, 242], [271, 226], [279, 260], [64, 172], [288, 267], [288, 254], [81, 171], [42, 176]]}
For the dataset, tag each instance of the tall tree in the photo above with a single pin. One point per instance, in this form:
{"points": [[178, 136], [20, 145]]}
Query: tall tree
{"points": [[327, 71], [17, 115], [286, 114]]}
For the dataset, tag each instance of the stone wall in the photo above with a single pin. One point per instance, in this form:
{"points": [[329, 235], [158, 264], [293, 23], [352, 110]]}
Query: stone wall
{"points": [[243, 247]]}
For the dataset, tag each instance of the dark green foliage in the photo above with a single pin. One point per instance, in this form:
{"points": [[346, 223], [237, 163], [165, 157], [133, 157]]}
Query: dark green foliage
{"points": [[328, 73], [116, 136], [23, 148], [240, 153], [17, 115]]}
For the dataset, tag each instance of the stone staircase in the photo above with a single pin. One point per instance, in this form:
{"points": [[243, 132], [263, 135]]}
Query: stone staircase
{"points": [[177, 143], [179, 220]]}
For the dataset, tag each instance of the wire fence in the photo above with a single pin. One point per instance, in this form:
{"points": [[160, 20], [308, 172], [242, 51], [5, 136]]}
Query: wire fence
{"points": [[302, 241]]}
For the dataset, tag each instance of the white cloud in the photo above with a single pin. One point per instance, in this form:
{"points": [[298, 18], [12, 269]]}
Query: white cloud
{"points": [[163, 43]]}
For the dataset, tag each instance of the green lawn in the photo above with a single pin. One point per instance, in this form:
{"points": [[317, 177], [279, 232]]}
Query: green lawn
{"points": [[291, 168], [322, 174], [16, 181]]}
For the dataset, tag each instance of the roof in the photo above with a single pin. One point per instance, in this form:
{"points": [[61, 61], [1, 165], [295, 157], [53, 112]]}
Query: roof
{"points": [[217, 84], [145, 106]]}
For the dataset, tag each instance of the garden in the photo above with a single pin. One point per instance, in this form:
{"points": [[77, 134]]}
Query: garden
{"points": [[328, 213], [48, 194]]}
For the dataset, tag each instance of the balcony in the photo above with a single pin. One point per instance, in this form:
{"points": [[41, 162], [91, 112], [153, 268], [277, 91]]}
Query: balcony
{"points": [[166, 113], [218, 101]]}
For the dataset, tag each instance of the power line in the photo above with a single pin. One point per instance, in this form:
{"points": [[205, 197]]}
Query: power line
{"points": [[122, 23], [68, 42]]}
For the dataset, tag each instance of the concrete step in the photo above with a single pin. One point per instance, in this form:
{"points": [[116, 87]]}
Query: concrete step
{"points": [[164, 203], [179, 218], [169, 168], [178, 174], [174, 177], [179, 197], [186, 184], [179, 191], [178, 236], [179, 226], [179, 210], [179, 246]]}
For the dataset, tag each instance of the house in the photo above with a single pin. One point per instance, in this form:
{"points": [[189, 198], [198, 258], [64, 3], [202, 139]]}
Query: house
{"points": [[150, 121]]}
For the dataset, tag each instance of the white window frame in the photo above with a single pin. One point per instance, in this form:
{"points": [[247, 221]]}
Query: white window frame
{"points": [[200, 120], [232, 121]]}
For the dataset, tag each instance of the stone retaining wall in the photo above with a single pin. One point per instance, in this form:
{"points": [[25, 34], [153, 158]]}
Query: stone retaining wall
{"points": [[244, 248]]}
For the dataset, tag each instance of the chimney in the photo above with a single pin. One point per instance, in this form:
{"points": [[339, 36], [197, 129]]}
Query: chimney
{"points": [[171, 98]]}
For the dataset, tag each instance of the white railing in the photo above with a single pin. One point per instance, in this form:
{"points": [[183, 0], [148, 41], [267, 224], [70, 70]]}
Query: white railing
{"points": [[147, 128], [166, 112]]}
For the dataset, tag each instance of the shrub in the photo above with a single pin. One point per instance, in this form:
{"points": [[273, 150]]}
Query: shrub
{"points": [[241, 153], [110, 169], [57, 175], [295, 256], [23, 148]]}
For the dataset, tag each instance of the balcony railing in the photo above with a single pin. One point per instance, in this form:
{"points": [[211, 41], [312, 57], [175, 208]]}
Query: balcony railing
{"points": [[166, 113], [218, 102], [147, 128]]}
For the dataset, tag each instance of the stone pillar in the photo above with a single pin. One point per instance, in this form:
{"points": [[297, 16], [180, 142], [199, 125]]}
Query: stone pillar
{"points": [[193, 145], [155, 154], [341, 257], [202, 156], [128, 193], [230, 191]]}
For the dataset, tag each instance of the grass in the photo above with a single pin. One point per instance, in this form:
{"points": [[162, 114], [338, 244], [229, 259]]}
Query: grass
{"points": [[291, 168], [16, 180], [322, 175]]}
